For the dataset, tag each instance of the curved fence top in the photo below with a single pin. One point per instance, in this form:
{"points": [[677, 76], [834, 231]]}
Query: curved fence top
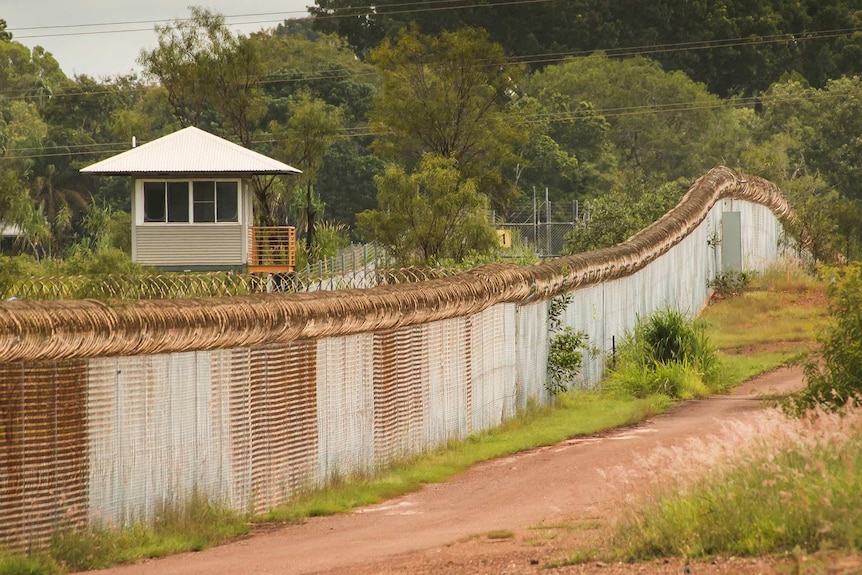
{"points": [[89, 328]]}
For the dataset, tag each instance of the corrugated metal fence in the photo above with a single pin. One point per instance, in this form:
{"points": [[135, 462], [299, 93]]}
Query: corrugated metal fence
{"points": [[106, 413]]}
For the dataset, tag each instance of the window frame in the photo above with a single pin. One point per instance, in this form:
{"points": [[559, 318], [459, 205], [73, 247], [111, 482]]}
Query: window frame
{"points": [[141, 218]]}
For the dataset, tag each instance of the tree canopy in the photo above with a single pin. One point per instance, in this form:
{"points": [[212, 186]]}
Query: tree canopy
{"points": [[431, 214], [593, 101], [449, 96]]}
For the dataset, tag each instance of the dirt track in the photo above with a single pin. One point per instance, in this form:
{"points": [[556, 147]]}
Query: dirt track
{"points": [[502, 516]]}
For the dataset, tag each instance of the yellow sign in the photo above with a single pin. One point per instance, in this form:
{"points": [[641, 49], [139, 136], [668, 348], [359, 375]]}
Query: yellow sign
{"points": [[504, 238]]}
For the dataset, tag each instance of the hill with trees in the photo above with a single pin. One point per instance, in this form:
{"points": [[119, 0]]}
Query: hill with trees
{"points": [[450, 111]]}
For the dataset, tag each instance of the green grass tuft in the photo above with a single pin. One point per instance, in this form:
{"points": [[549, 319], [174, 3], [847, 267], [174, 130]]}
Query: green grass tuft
{"points": [[669, 354], [27, 565], [191, 526]]}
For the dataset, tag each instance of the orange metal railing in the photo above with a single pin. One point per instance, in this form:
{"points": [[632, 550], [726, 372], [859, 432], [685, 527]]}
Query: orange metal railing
{"points": [[272, 249]]}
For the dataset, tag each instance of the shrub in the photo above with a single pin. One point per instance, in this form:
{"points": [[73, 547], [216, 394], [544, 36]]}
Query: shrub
{"points": [[837, 376], [101, 262], [565, 357], [667, 353], [731, 283], [12, 269]]}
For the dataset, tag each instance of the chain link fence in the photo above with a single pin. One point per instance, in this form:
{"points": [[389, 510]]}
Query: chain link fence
{"points": [[541, 224]]}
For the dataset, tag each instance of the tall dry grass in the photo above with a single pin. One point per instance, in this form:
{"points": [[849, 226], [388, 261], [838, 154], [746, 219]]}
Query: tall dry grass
{"points": [[770, 485]]}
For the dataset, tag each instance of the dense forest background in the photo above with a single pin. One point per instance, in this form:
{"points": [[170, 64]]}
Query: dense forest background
{"points": [[413, 123]]}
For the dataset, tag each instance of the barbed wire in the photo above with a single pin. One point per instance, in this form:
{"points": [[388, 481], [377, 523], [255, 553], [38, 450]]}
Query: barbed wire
{"points": [[114, 287]]}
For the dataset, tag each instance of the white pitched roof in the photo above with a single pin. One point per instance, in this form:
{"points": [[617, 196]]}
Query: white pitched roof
{"points": [[190, 150]]}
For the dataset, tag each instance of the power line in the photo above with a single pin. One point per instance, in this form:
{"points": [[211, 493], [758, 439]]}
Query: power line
{"points": [[136, 22], [366, 131], [537, 58], [365, 11]]}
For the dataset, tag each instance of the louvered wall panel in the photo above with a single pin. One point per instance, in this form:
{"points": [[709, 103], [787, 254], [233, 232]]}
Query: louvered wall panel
{"points": [[274, 423], [398, 393], [43, 470], [345, 404], [191, 245], [494, 367], [448, 382]]}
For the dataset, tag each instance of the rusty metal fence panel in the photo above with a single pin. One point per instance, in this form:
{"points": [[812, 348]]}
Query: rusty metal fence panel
{"points": [[157, 430], [43, 442]]}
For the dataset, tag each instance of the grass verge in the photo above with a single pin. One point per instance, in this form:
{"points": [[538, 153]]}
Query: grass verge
{"points": [[192, 526], [36, 564], [780, 484]]}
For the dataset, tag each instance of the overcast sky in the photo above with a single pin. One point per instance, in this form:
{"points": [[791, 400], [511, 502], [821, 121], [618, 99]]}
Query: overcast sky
{"points": [[104, 37]]}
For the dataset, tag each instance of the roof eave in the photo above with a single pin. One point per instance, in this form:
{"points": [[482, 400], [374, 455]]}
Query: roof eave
{"points": [[190, 172]]}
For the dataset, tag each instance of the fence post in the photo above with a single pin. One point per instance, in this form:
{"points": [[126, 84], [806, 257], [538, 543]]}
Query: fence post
{"points": [[535, 222], [547, 224]]}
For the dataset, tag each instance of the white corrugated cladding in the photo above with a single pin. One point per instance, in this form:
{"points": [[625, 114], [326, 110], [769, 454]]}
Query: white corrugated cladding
{"points": [[447, 374], [495, 393], [158, 429], [190, 150], [531, 349], [345, 405]]}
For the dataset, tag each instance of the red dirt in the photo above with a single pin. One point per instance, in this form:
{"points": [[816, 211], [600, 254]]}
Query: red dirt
{"points": [[511, 515]]}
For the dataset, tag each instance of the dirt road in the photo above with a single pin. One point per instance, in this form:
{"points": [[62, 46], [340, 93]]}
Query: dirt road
{"points": [[511, 515]]}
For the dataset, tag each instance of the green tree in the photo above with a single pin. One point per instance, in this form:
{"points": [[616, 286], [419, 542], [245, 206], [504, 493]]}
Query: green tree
{"points": [[23, 137], [735, 47], [213, 81], [312, 129], [568, 151], [299, 61], [618, 215], [804, 140], [450, 96], [662, 125], [832, 146], [346, 183], [5, 36], [431, 214]]}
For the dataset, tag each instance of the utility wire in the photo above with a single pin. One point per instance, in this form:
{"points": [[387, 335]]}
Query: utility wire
{"points": [[366, 131], [373, 11], [526, 59]]}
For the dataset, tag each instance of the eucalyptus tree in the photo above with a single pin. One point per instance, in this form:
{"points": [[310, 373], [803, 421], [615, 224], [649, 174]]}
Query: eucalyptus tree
{"points": [[569, 150], [662, 125], [302, 63], [451, 96], [735, 47], [433, 213], [213, 81], [312, 128], [806, 141], [23, 135]]}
